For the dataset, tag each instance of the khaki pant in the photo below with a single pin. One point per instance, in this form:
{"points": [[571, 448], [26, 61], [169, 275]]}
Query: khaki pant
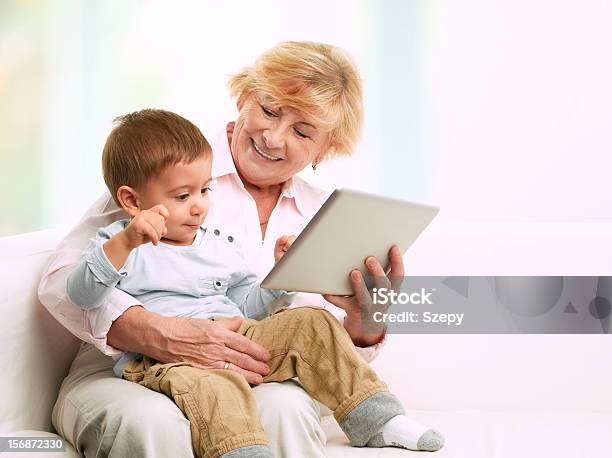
{"points": [[104, 416], [308, 343]]}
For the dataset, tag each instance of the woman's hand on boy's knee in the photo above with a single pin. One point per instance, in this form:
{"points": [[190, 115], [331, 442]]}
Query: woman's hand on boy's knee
{"points": [[211, 344], [202, 343]]}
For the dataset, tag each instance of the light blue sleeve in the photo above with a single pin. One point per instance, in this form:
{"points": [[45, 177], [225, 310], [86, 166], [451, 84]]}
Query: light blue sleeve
{"points": [[245, 291], [94, 277], [253, 300]]}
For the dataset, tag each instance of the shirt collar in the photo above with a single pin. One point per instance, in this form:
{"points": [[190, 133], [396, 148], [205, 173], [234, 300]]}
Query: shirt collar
{"points": [[223, 164], [292, 190]]}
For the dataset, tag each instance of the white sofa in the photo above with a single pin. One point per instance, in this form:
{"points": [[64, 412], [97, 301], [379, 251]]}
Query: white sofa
{"points": [[493, 396]]}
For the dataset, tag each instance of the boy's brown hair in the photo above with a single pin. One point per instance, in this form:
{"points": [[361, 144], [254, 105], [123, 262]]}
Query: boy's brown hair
{"points": [[144, 142]]}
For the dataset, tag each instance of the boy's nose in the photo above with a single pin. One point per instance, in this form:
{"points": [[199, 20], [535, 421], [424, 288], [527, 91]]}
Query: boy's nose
{"points": [[198, 207]]}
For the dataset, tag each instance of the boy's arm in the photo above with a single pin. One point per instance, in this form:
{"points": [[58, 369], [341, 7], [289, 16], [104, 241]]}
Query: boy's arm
{"points": [[245, 291], [117, 250], [96, 275], [147, 226], [88, 325], [254, 301], [101, 268]]}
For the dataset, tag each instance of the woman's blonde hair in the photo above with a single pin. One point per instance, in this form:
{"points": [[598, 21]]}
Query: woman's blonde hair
{"points": [[317, 79]]}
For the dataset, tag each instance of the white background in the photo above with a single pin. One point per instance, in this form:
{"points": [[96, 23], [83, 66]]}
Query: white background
{"points": [[494, 110]]}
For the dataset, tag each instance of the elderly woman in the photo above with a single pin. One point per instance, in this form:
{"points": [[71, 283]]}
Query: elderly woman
{"points": [[299, 104]]}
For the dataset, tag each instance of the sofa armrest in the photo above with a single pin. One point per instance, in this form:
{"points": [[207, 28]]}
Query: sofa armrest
{"points": [[36, 350]]}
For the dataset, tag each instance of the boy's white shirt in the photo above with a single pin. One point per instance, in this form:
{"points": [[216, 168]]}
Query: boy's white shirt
{"points": [[232, 208]]}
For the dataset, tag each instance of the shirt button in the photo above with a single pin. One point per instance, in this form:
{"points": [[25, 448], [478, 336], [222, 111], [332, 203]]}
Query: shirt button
{"points": [[159, 372], [230, 238], [217, 232]]}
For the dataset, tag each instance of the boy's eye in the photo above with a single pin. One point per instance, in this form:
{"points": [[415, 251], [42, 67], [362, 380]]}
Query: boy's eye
{"points": [[183, 197], [268, 112], [205, 190]]}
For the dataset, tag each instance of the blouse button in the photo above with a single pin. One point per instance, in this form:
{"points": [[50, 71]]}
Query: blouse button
{"points": [[217, 232], [217, 284], [230, 239]]}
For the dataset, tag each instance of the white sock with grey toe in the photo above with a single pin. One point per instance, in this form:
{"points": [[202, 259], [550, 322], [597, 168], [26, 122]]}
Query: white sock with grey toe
{"points": [[404, 432]]}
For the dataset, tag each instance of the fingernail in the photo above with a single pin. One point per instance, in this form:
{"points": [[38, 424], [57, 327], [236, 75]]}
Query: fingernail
{"points": [[371, 262], [355, 274]]}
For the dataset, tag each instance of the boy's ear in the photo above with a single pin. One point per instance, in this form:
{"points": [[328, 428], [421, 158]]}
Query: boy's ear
{"points": [[128, 198]]}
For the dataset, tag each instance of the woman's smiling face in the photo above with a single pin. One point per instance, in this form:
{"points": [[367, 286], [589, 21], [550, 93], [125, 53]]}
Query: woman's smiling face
{"points": [[271, 144]]}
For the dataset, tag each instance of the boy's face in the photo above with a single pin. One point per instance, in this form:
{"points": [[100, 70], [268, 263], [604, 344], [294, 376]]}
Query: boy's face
{"points": [[183, 190]]}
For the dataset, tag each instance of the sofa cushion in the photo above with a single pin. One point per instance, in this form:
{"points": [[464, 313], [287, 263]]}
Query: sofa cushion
{"points": [[36, 349]]}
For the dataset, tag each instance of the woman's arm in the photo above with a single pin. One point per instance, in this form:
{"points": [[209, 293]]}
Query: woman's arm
{"points": [[204, 343]]}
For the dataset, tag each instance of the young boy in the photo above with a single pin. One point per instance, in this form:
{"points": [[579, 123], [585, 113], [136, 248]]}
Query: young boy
{"points": [[157, 166]]}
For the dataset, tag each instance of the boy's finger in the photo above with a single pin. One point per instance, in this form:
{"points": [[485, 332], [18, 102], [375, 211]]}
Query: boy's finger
{"points": [[162, 221], [162, 210], [289, 242], [159, 226], [157, 222], [280, 243], [156, 217], [150, 231]]}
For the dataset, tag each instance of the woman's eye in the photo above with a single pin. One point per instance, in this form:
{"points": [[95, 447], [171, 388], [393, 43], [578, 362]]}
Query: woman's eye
{"points": [[268, 112], [301, 134]]}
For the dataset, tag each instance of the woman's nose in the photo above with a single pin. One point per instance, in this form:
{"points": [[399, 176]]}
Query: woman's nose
{"points": [[275, 137]]}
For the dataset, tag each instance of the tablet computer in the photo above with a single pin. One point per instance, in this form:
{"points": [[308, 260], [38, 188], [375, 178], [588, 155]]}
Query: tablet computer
{"points": [[349, 227]]}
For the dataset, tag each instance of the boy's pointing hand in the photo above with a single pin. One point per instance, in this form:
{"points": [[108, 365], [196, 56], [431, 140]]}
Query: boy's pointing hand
{"points": [[148, 226]]}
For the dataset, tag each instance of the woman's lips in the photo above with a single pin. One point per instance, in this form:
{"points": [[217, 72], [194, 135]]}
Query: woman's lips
{"points": [[263, 155]]}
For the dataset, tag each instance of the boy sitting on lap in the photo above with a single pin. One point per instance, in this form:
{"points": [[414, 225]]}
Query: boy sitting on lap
{"points": [[157, 166]]}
